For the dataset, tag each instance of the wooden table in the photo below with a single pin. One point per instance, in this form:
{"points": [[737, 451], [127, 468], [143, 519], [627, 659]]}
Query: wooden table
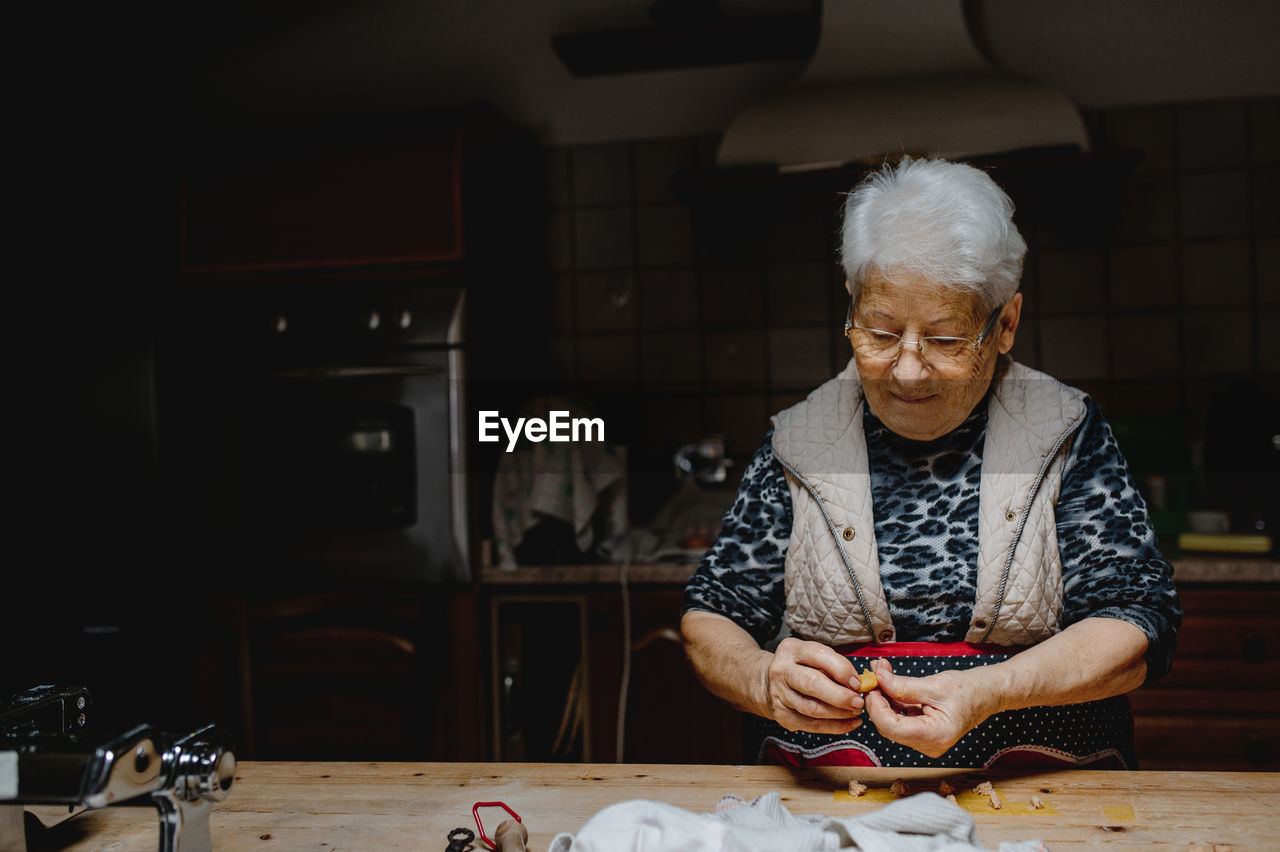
{"points": [[378, 806]]}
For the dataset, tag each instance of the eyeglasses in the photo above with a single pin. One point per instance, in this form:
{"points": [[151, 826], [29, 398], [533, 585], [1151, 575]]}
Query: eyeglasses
{"points": [[937, 350]]}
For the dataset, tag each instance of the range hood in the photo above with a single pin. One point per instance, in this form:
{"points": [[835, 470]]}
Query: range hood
{"points": [[890, 78]]}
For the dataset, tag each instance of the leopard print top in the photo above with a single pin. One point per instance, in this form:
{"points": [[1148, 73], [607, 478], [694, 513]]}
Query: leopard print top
{"points": [[925, 495]]}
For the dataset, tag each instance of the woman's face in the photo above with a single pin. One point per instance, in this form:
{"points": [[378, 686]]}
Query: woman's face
{"points": [[913, 398]]}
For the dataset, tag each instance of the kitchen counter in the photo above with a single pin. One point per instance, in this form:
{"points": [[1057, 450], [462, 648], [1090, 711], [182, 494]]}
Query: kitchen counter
{"points": [[414, 805], [1186, 569]]}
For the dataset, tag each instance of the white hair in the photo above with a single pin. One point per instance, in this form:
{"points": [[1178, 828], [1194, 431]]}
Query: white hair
{"points": [[948, 222]]}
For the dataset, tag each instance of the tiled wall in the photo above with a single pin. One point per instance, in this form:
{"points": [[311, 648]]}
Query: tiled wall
{"points": [[674, 341]]}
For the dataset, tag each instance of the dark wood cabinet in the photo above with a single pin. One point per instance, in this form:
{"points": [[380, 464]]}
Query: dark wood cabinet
{"points": [[1216, 710], [562, 658], [668, 717], [334, 193]]}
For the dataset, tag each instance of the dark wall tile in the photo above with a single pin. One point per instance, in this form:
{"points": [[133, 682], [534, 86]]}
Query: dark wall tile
{"points": [[672, 421], [602, 237], [1213, 135], [663, 236], [1099, 390], [1074, 348], [1264, 125], [1267, 260], [608, 363], [1266, 201], [726, 243], [1158, 397], [556, 176], [732, 296], [1072, 280], [656, 161], [839, 349], [743, 420], [807, 238], [1216, 273], [778, 401], [1198, 395], [668, 298], [560, 240], [564, 356], [1049, 235], [1026, 345], [1269, 340], [1029, 285], [1148, 209], [606, 301], [1218, 342], [1152, 130], [1214, 204], [671, 361], [735, 360], [601, 174], [798, 293], [1144, 276], [1145, 347], [561, 309], [798, 358], [837, 293]]}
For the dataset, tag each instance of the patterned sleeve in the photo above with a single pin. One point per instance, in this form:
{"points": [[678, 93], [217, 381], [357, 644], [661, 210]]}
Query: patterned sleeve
{"points": [[741, 576], [1111, 562]]}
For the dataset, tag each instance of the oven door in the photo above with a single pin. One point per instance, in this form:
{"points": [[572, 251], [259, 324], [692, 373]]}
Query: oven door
{"points": [[355, 471]]}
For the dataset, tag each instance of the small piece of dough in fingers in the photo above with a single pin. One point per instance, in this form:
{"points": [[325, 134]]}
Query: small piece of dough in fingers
{"points": [[867, 681]]}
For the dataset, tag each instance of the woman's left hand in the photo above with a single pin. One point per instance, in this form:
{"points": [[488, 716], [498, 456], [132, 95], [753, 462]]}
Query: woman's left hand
{"points": [[929, 714]]}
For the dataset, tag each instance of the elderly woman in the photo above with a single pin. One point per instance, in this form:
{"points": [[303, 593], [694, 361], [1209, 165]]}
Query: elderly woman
{"points": [[962, 525]]}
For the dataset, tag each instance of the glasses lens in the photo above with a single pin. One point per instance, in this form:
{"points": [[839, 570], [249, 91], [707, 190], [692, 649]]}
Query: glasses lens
{"points": [[871, 343], [945, 351], [884, 346]]}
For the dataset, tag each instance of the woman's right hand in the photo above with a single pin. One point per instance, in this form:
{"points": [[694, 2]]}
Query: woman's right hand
{"points": [[810, 687]]}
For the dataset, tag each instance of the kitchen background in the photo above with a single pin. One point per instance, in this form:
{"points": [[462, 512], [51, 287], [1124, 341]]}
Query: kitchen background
{"points": [[1170, 302], [674, 318]]}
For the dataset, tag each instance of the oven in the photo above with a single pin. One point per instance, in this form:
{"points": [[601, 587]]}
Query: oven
{"points": [[318, 431]]}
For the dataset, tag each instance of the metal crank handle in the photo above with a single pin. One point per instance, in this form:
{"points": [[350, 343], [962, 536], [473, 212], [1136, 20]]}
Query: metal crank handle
{"points": [[511, 836]]}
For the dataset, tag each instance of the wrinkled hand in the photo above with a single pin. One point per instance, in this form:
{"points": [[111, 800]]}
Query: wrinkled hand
{"points": [[929, 714], [810, 687]]}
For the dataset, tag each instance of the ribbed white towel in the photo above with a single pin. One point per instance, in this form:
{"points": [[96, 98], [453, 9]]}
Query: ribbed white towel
{"points": [[925, 822]]}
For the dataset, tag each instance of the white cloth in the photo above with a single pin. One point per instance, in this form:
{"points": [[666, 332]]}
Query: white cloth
{"points": [[925, 822]]}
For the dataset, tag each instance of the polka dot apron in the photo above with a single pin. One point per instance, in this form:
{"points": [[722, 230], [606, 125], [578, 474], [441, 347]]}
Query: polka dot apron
{"points": [[1093, 734]]}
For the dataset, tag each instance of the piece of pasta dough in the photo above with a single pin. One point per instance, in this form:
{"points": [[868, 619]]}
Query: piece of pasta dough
{"points": [[867, 681]]}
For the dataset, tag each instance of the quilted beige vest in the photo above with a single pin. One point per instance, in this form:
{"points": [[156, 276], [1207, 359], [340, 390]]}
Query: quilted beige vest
{"points": [[833, 585]]}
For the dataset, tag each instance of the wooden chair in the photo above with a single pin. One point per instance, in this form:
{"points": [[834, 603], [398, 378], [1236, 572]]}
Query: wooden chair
{"points": [[338, 675]]}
